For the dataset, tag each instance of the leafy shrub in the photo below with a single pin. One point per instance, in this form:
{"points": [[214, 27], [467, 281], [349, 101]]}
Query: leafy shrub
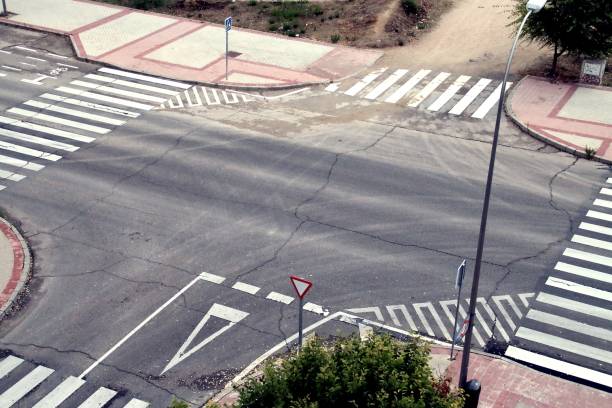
{"points": [[335, 38], [178, 404], [379, 372], [252, 2], [589, 152], [410, 6], [147, 4]]}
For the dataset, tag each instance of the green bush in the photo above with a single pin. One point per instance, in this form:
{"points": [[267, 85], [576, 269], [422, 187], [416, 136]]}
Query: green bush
{"points": [[379, 372], [335, 38], [178, 404], [410, 6], [252, 2]]}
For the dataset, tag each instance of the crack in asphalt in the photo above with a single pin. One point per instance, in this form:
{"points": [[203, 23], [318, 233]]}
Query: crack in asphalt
{"points": [[550, 245]]}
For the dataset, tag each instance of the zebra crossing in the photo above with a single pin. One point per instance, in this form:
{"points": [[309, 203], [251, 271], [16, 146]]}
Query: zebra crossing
{"points": [[43, 129], [204, 96], [496, 318], [23, 383], [570, 320], [424, 89]]}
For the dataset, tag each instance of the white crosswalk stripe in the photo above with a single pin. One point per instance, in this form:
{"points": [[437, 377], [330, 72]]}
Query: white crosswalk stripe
{"points": [[571, 318], [488, 324], [376, 84], [24, 382], [91, 111], [24, 386]]}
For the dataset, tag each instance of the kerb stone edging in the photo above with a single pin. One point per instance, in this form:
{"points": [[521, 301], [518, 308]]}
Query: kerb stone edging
{"points": [[525, 128], [22, 265]]}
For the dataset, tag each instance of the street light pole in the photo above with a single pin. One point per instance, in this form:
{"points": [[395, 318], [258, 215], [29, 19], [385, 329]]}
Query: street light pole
{"points": [[4, 10], [532, 6]]}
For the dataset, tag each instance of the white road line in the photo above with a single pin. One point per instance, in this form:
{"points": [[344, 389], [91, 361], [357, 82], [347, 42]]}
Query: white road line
{"points": [[333, 87], [198, 100], [45, 129], [314, 308], [19, 47], [9, 364], [606, 191], [56, 55], [564, 344], [469, 97], [386, 84], [9, 175], [365, 81], [145, 78], [279, 297], [28, 152], [603, 203], [524, 296], [60, 121], [559, 366], [597, 243], [38, 140], [492, 316], [66, 65], [584, 272], [90, 105], [117, 91], [99, 398], [464, 315], [37, 59], [27, 64], [24, 386], [60, 393], [428, 89], [609, 180], [497, 300], [407, 86], [2, 75], [570, 324], [402, 308], [130, 84], [140, 326], [599, 215], [578, 288], [136, 403], [245, 287], [432, 310], [179, 102], [2, 187], [595, 228], [481, 320], [587, 256], [374, 309], [449, 93], [584, 308], [75, 113], [227, 100], [104, 98], [493, 99], [214, 92], [11, 68], [5, 52], [212, 278]]}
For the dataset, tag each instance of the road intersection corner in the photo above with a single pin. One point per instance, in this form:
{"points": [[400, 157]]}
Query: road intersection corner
{"points": [[15, 265]]}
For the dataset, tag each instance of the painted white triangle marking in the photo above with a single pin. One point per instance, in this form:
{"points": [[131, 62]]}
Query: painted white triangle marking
{"points": [[233, 316]]}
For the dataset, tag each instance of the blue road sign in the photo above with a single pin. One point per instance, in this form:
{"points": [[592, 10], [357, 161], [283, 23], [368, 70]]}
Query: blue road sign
{"points": [[228, 24]]}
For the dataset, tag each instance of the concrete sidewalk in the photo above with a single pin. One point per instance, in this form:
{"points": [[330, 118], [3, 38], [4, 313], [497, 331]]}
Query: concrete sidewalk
{"points": [[188, 50], [569, 116]]}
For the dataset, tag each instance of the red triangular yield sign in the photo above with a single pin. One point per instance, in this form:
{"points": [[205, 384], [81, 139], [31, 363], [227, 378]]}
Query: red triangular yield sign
{"points": [[300, 285]]}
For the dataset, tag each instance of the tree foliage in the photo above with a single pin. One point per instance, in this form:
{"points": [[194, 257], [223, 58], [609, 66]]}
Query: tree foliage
{"points": [[379, 372], [574, 27]]}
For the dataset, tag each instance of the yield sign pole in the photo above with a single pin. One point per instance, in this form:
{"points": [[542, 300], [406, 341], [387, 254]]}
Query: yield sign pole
{"points": [[301, 287]]}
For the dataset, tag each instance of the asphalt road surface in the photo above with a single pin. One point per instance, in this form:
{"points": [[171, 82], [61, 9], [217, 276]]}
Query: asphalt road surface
{"points": [[377, 205]]}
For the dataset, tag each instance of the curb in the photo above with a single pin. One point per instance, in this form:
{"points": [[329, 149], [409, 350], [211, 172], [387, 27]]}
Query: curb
{"points": [[22, 264], [237, 87], [542, 138]]}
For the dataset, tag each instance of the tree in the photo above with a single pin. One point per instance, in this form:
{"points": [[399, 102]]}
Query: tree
{"points": [[573, 27], [380, 373]]}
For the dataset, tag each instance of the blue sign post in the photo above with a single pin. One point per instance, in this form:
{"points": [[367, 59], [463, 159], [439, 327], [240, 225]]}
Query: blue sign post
{"points": [[228, 27]]}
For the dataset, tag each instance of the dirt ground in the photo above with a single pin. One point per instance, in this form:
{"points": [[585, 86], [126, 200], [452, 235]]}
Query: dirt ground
{"points": [[360, 23]]}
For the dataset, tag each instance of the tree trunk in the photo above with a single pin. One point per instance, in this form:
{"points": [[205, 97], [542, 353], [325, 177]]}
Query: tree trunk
{"points": [[553, 69]]}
